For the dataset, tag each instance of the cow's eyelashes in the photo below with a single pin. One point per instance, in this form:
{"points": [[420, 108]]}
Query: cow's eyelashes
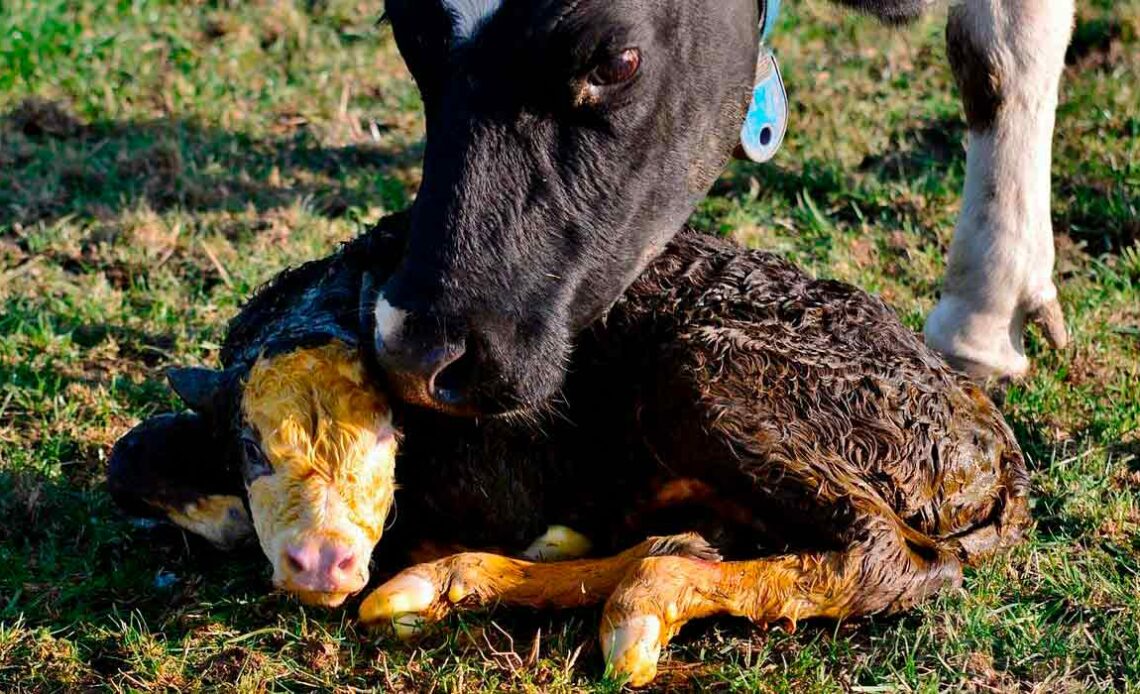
{"points": [[615, 68]]}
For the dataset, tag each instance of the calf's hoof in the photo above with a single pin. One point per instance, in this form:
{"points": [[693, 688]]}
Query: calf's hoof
{"points": [[647, 609], [632, 649], [558, 543], [402, 603], [425, 594]]}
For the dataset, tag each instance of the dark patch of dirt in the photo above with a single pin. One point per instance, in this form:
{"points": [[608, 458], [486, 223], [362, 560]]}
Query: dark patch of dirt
{"points": [[1071, 256], [1087, 369], [108, 660], [1098, 44], [1098, 231], [137, 345], [218, 26], [864, 252], [38, 118], [224, 669], [984, 676], [319, 655]]}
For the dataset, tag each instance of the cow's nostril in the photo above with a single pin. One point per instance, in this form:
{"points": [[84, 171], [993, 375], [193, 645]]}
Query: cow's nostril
{"points": [[452, 384], [425, 365]]}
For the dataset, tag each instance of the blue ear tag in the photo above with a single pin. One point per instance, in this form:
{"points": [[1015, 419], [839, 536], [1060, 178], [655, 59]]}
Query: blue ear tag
{"points": [[769, 13], [767, 119]]}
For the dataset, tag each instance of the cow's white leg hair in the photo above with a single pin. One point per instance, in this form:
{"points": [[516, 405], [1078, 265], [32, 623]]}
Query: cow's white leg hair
{"points": [[999, 273]]}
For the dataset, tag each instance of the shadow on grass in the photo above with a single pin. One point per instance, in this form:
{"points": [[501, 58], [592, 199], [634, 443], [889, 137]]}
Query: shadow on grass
{"points": [[1098, 212], [1101, 214], [931, 156], [72, 564], [135, 346], [70, 556], [53, 166]]}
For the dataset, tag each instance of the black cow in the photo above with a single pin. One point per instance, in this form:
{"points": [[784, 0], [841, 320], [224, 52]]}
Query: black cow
{"points": [[569, 140]]}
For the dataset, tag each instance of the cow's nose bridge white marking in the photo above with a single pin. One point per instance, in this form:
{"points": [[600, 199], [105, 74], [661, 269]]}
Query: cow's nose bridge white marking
{"points": [[389, 320], [470, 15]]}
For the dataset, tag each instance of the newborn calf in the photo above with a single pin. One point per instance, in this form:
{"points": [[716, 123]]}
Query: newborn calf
{"points": [[838, 464], [289, 442]]}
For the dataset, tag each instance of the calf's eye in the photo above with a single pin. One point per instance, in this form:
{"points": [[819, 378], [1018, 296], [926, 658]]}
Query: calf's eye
{"points": [[616, 69], [254, 463]]}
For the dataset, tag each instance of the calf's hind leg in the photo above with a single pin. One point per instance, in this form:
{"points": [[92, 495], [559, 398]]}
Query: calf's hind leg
{"points": [[173, 468], [1007, 56], [661, 594]]}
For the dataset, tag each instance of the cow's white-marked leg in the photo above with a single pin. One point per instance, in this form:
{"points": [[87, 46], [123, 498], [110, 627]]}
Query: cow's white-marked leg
{"points": [[1007, 57]]}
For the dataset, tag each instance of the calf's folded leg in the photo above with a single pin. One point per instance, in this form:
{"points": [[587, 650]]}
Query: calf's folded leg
{"points": [[429, 592], [656, 598], [173, 468]]}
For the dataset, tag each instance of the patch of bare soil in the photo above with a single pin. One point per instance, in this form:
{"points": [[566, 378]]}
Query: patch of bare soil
{"points": [[1099, 44], [37, 117]]}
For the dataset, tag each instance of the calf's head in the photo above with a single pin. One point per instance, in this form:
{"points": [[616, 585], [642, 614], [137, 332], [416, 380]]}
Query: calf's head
{"points": [[318, 459], [567, 141], [319, 465]]}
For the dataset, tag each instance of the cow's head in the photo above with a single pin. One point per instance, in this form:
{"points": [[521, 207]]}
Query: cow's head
{"points": [[318, 459], [567, 141]]}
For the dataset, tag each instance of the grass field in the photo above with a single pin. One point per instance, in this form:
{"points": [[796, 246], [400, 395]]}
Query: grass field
{"points": [[158, 160]]}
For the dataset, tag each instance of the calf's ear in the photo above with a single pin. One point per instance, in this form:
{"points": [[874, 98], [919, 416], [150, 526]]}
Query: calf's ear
{"points": [[200, 389]]}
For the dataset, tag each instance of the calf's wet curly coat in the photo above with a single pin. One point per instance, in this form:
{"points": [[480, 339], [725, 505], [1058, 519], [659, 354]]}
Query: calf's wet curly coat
{"points": [[837, 464]]}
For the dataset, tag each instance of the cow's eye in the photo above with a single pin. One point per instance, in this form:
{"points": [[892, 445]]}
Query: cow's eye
{"points": [[616, 69]]}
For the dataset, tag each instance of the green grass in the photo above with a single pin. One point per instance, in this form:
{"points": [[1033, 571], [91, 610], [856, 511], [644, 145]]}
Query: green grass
{"points": [[196, 148]]}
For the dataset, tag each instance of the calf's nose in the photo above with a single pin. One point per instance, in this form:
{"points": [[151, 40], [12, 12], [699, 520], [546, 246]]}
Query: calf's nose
{"points": [[323, 566]]}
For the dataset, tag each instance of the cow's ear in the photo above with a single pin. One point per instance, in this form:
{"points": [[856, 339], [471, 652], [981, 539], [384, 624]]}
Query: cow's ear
{"points": [[200, 389]]}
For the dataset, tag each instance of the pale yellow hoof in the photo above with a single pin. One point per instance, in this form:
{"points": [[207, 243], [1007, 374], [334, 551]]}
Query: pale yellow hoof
{"points": [[401, 603], [558, 543], [632, 650]]}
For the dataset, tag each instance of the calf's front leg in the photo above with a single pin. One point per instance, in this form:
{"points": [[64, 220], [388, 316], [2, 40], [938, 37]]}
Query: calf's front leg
{"points": [[1007, 57], [427, 593]]}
